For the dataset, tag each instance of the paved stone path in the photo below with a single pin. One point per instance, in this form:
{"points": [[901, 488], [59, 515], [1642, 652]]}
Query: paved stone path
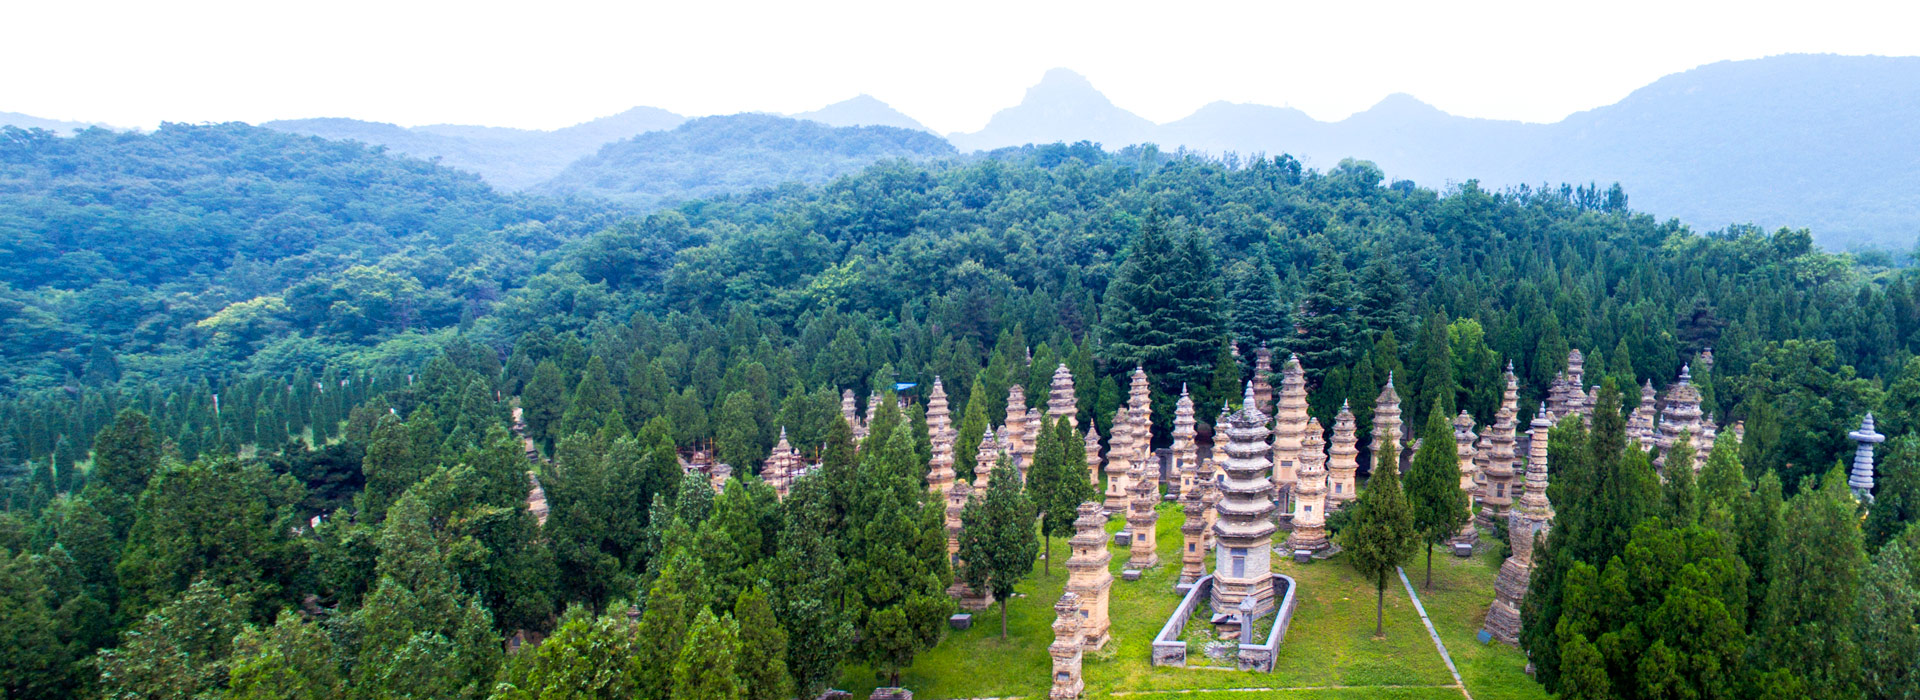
{"points": [[1431, 633]]}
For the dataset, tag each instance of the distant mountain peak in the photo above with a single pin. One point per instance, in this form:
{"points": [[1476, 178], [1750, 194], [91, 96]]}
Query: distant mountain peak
{"points": [[862, 110], [1063, 106]]}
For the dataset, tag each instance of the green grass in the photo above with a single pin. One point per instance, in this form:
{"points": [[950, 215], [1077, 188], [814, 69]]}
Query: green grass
{"points": [[1330, 651]]}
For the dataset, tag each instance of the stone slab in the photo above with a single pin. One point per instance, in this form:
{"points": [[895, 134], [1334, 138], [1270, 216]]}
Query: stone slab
{"points": [[1463, 550], [1122, 538], [1129, 574], [960, 621], [1303, 556]]}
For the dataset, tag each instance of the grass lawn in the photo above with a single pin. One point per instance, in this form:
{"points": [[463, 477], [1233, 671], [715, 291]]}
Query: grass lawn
{"points": [[1330, 650]]}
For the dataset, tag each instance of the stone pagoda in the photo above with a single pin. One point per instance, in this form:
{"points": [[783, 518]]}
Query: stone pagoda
{"points": [[940, 432], [1242, 568], [1186, 454], [1860, 479], [1500, 483], [1310, 494], [785, 464], [1093, 456], [1464, 450], [968, 598], [1386, 428], [1068, 645], [1640, 425], [1061, 402], [1118, 437], [1016, 426], [1262, 388], [1528, 520], [983, 462], [1088, 576], [1343, 461], [1289, 429], [1143, 493], [1030, 443], [1681, 415], [848, 411], [1568, 394], [1193, 539], [1140, 411]]}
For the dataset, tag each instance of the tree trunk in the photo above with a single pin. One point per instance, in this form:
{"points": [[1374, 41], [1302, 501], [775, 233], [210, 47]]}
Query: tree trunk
{"points": [[1380, 607], [1003, 618], [1046, 564], [1429, 566]]}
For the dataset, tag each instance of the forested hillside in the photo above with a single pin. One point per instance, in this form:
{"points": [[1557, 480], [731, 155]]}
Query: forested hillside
{"points": [[318, 473], [725, 155], [194, 251]]}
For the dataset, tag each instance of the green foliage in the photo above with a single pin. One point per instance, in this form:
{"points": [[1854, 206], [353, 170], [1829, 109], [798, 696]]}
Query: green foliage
{"points": [[218, 521], [762, 661], [1161, 307], [1439, 507], [708, 666], [1887, 627], [1382, 535], [292, 659], [418, 633], [1896, 492], [1813, 585], [587, 657], [1057, 481], [179, 650], [998, 541]]}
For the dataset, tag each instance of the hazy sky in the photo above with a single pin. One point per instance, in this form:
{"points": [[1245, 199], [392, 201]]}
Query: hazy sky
{"points": [[951, 65]]}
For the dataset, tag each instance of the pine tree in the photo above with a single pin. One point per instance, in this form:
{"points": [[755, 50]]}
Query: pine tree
{"points": [[595, 402], [973, 427], [736, 433], [1326, 317], [126, 454], [1382, 534], [1896, 493], [417, 633], [1888, 626], [1383, 297], [543, 402], [1161, 309], [1813, 587], [177, 651], [1433, 356], [293, 659], [672, 603], [1254, 311], [1583, 675], [1680, 498], [1058, 483], [706, 669], [1433, 486], [997, 541], [763, 649], [809, 588]]}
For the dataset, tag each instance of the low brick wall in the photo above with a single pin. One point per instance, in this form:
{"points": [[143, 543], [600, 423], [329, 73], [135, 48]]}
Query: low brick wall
{"points": [[1259, 657], [1170, 650]]}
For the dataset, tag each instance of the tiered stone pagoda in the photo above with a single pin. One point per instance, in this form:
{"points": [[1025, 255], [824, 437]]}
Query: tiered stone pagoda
{"points": [[1016, 425], [1464, 450], [1343, 461], [1140, 410], [940, 432], [1093, 455], [785, 464], [1211, 476], [1193, 538], [1568, 394], [1030, 443], [848, 411], [1061, 401], [1088, 576], [983, 461], [1528, 520], [1143, 493], [1290, 427], [1243, 568], [968, 598], [1386, 428], [1680, 415], [1262, 388], [1500, 482], [1118, 435], [1640, 424], [536, 499], [1186, 454], [1860, 479], [1066, 649], [1310, 495]]}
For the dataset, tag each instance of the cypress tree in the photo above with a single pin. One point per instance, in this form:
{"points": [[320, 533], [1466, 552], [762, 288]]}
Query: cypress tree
{"points": [[1813, 588], [997, 541], [973, 427], [1433, 486], [1433, 356], [1254, 311], [1325, 316], [1887, 628], [1161, 309], [543, 402], [1680, 498], [1381, 536], [1896, 493], [763, 649], [736, 433], [706, 668]]}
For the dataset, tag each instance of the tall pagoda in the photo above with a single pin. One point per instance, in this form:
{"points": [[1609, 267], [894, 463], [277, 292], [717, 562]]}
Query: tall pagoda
{"points": [[1310, 494], [1243, 568], [1088, 575]]}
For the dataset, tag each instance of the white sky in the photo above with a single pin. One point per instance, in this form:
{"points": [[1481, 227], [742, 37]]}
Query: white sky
{"points": [[557, 62]]}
